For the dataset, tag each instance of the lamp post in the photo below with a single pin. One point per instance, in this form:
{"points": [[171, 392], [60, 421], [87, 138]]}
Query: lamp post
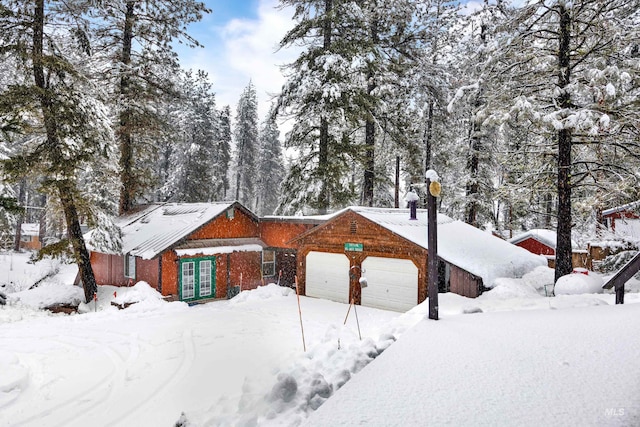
{"points": [[432, 242]]}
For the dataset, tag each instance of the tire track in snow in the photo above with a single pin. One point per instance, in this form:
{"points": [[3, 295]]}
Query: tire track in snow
{"points": [[185, 365], [118, 380], [76, 401]]}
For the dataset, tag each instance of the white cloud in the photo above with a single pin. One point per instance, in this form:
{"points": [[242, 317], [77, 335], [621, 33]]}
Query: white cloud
{"points": [[243, 50]]}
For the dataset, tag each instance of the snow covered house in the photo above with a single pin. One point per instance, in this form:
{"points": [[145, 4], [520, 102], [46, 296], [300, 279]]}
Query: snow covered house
{"points": [[30, 236], [189, 251], [543, 242], [390, 250], [623, 219], [537, 241]]}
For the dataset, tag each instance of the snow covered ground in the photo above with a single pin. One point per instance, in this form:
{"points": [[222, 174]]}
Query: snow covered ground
{"points": [[520, 359]]}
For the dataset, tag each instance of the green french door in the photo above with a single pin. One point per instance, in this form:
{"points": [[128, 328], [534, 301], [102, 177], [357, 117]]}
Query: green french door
{"points": [[197, 278]]}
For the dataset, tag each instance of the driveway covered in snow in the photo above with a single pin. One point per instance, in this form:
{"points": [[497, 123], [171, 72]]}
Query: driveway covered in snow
{"points": [[144, 365]]}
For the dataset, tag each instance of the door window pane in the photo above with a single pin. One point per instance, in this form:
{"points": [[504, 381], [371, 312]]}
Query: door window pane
{"points": [[188, 280], [205, 278]]}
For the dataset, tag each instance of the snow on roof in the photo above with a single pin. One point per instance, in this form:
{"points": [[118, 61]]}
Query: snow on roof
{"points": [[628, 206], [548, 237], [149, 232], [310, 219], [220, 246], [478, 252], [30, 229]]}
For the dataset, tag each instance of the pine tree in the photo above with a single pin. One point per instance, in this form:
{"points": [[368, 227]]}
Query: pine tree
{"points": [[320, 98], [246, 146], [569, 68], [138, 37], [223, 149], [270, 167], [55, 102], [194, 159]]}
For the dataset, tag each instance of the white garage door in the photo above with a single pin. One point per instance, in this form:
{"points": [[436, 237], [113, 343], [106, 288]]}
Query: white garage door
{"points": [[392, 283], [327, 276]]}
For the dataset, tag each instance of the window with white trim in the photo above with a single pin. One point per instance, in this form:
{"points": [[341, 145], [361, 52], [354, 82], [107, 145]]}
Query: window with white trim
{"points": [[188, 280], [268, 263], [130, 266], [205, 278]]}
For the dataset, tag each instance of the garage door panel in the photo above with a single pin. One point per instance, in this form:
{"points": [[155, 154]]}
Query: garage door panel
{"points": [[327, 276], [392, 283]]}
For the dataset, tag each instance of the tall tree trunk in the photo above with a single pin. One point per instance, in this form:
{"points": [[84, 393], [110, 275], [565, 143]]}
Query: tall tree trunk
{"points": [[369, 162], [323, 143], [21, 196], [475, 147], [239, 170], [127, 179], [66, 191], [563, 244], [370, 128], [473, 185], [64, 186], [323, 165]]}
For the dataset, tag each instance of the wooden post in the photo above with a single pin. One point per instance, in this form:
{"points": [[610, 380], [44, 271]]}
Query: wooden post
{"points": [[618, 280], [304, 345], [397, 200], [620, 294], [432, 243]]}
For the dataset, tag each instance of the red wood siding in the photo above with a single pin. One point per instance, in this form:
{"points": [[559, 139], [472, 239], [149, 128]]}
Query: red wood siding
{"points": [[249, 266], [148, 270], [377, 241], [536, 247], [101, 268], [279, 234], [169, 273], [241, 225], [621, 215]]}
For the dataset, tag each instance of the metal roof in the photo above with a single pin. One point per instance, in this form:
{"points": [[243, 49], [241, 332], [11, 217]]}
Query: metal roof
{"points": [[628, 206], [149, 232]]}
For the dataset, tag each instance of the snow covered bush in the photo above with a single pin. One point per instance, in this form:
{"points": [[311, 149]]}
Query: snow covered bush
{"points": [[580, 282]]}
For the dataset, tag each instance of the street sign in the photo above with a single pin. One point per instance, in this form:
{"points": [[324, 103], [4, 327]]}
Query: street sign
{"points": [[353, 247]]}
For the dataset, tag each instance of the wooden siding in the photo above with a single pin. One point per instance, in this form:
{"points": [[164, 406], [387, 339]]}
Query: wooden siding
{"points": [[222, 227], [376, 241], [536, 247], [279, 234], [101, 264], [32, 245], [109, 270], [148, 270], [463, 283]]}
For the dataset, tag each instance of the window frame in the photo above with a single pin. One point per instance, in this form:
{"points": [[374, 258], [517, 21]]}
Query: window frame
{"points": [[197, 265], [270, 263], [129, 264], [208, 274]]}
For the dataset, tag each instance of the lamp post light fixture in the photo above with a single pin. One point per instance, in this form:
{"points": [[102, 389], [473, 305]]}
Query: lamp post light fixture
{"points": [[434, 187]]}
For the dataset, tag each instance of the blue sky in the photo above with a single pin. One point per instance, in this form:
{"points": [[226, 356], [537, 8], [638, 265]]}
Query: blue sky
{"points": [[240, 39]]}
